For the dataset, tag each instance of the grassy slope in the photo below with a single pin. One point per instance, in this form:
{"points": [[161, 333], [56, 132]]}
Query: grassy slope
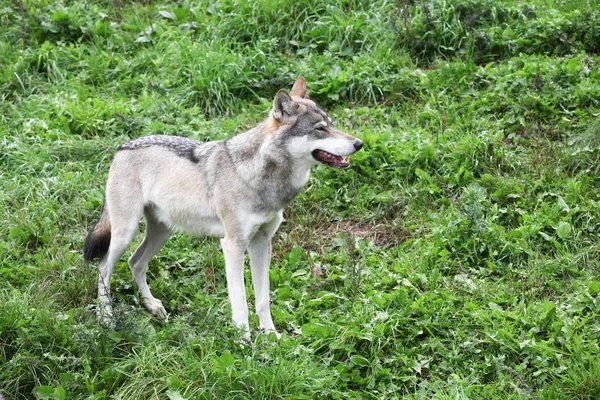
{"points": [[458, 255]]}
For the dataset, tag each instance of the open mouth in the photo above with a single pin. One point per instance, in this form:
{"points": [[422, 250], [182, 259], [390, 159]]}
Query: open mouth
{"points": [[331, 159]]}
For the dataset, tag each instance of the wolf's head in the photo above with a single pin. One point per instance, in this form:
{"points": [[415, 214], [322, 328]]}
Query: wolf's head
{"points": [[307, 131]]}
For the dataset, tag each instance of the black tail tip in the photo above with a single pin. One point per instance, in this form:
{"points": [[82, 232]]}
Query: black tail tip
{"points": [[96, 245]]}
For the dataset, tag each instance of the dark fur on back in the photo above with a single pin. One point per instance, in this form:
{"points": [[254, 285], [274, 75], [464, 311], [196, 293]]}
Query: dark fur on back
{"points": [[182, 146], [97, 240]]}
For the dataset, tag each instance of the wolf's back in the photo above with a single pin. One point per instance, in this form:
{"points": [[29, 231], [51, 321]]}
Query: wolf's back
{"points": [[97, 240]]}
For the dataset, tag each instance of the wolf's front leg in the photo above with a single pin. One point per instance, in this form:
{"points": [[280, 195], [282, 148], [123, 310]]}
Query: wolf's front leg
{"points": [[260, 258], [234, 269]]}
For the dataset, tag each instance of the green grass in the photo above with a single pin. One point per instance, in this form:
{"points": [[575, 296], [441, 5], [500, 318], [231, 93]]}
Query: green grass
{"points": [[457, 257]]}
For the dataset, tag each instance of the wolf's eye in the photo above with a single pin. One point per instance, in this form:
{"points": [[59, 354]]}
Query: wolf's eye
{"points": [[321, 128]]}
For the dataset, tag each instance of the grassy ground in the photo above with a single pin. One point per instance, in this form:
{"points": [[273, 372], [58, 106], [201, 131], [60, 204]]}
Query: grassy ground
{"points": [[457, 257]]}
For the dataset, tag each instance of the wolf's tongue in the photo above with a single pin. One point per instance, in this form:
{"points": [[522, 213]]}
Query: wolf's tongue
{"points": [[331, 159], [329, 156]]}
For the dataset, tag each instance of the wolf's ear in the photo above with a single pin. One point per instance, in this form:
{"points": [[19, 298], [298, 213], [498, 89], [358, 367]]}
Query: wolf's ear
{"points": [[283, 105], [299, 89]]}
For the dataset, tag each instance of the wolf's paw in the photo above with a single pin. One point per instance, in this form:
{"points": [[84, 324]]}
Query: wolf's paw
{"points": [[246, 338], [273, 331], [155, 306], [104, 313], [244, 341]]}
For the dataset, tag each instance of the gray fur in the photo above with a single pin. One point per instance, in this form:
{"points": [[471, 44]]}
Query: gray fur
{"points": [[234, 189], [181, 146]]}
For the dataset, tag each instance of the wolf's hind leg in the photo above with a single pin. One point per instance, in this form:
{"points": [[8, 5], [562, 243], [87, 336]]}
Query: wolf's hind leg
{"points": [[123, 232], [157, 235]]}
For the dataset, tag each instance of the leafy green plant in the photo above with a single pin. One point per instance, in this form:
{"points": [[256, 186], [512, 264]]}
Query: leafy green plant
{"points": [[491, 30]]}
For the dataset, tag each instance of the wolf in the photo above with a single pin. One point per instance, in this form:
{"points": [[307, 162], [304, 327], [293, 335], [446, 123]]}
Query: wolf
{"points": [[233, 189]]}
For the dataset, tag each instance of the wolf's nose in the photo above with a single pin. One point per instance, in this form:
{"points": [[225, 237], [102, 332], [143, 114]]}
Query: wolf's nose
{"points": [[358, 145]]}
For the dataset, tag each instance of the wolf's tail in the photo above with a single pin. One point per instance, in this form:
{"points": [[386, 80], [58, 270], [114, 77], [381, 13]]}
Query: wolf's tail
{"points": [[97, 240]]}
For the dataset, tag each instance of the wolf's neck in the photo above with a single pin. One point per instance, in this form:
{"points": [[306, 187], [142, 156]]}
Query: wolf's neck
{"points": [[300, 174], [267, 166]]}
